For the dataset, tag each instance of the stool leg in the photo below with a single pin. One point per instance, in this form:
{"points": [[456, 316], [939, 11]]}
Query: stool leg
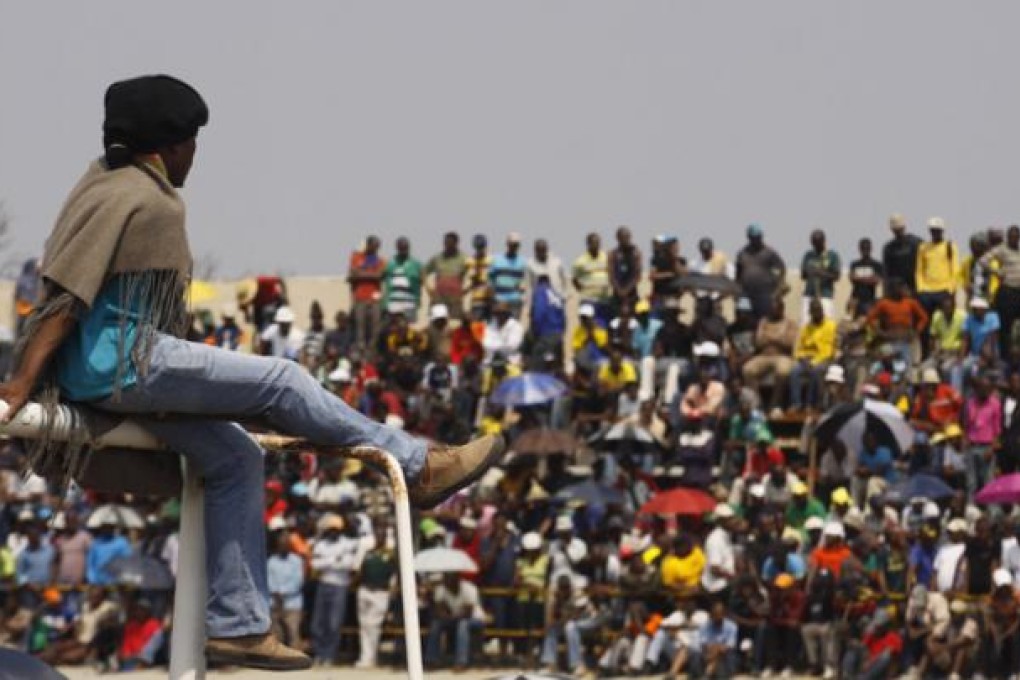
{"points": [[405, 559], [187, 640]]}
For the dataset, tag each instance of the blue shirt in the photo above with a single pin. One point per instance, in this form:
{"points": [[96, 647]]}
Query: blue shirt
{"points": [[642, 337], [87, 362], [977, 330], [286, 577], [101, 553], [879, 462], [923, 562], [723, 634], [35, 566], [795, 567], [506, 276]]}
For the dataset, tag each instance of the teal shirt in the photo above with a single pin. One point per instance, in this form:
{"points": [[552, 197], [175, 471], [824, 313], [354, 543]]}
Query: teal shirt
{"points": [[87, 360]]}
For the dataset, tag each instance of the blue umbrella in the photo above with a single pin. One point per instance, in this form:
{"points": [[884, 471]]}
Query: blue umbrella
{"points": [[528, 389], [922, 485], [141, 571], [591, 492]]}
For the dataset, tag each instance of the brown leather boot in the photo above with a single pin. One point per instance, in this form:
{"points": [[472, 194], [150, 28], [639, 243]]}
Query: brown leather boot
{"points": [[256, 651], [450, 469]]}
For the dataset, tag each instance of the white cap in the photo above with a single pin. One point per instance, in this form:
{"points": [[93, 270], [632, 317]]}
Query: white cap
{"points": [[706, 349], [284, 315], [835, 374], [699, 618], [930, 376], [277, 523], [394, 421], [34, 485], [513, 237], [723, 511], [531, 541], [468, 523], [833, 529], [813, 523], [1001, 577], [577, 550], [342, 374], [26, 515], [758, 490], [564, 523], [930, 511], [854, 518], [586, 309], [871, 390], [978, 303], [439, 311], [936, 223], [957, 526]]}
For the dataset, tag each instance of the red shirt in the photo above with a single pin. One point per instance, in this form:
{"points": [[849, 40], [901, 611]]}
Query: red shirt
{"points": [[830, 558], [136, 635], [463, 343], [472, 548], [278, 507], [759, 465], [891, 642], [372, 265]]}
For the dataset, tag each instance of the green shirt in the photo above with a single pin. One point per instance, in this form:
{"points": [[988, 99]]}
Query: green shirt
{"points": [[402, 285], [796, 516]]}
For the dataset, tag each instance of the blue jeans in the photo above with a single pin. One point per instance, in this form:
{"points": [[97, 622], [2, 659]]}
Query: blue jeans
{"points": [[977, 467], [192, 379], [811, 375], [462, 628], [573, 631], [328, 616]]}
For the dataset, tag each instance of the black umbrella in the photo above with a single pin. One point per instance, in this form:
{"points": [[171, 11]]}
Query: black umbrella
{"points": [[142, 572], [709, 283], [15, 665], [849, 422], [625, 438]]}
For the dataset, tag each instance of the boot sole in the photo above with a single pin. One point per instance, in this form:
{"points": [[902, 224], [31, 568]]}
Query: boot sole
{"points": [[434, 499], [257, 661]]}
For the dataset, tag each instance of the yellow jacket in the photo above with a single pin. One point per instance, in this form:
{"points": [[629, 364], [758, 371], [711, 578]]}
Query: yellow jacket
{"points": [[817, 342], [938, 267]]}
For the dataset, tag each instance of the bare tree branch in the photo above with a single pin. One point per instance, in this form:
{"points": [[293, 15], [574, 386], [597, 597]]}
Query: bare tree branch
{"points": [[206, 267]]}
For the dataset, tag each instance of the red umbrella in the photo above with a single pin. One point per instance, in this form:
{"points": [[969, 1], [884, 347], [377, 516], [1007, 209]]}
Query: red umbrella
{"points": [[679, 501]]}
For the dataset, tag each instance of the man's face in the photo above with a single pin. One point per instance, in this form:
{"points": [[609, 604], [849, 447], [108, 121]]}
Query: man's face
{"points": [[817, 314], [864, 247], [623, 237], [936, 235], [541, 250], [818, 240], [450, 243], [403, 248], [593, 242], [178, 160], [371, 245], [512, 247], [1013, 237]]}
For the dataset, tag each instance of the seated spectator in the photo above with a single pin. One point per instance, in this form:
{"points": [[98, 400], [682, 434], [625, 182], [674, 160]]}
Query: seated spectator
{"points": [[818, 628], [782, 631], [282, 339], [589, 341], [741, 336], [646, 330], [774, 343], [1001, 618], [816, 347], [980, 336], [952, 646], [717, 646], [802, 507], [94, 636], [935, 404], [877, 655], [831, 554], [875, 468], [466, 342], [503, 334], [947, 576], [34, 563], [784, 557], [762, 456], [457, 611], [106, 546], [228, 334], [898, 319], [403, 337], [143, 637], [682, 566], [924, 613], [704, 397], [570, 614], [615, 374]]}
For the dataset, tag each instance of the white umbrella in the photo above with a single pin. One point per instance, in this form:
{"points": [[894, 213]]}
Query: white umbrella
{"points": [[119, 515], [848, 422], [440, 560]]}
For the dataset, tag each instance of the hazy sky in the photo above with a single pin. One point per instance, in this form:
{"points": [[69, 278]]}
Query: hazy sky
{"points": [[333, 119]]}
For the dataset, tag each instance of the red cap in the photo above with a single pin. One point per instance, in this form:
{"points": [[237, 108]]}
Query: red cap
{"points": [[274, 485]]}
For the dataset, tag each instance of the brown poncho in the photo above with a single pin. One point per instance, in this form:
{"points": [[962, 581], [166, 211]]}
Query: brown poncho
{"points": [[128, 223]]}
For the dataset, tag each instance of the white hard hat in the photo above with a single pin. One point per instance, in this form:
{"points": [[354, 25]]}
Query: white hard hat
{"points": [[284, 315]]}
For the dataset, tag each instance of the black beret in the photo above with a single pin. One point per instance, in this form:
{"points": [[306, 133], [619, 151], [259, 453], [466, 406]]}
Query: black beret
{"points": [[151, 112]]}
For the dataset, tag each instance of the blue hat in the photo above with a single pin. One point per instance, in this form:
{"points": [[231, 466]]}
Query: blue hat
{"points": [[479, 241], [754, 229]]}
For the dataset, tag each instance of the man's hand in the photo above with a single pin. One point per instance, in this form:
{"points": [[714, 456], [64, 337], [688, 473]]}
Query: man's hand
{"points": [[15, 393]]}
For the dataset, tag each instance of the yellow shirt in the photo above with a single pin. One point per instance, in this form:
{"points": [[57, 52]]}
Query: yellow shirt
{"points": [[817, 342], [938, 267], [616, 380], [683, 572], [490, 381], [581, 336], [592, 273], [967, 266]]}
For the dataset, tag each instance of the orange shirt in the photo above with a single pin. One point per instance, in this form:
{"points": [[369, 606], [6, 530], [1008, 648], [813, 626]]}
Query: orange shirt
{"points": [[830, 558], [361, 264], [900, 315]]}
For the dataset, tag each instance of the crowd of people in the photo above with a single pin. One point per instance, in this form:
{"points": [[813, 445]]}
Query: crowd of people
{"points": [[860, 556]]}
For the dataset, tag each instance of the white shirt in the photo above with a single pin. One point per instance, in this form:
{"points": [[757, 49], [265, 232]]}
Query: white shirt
{"points": [[718, 553], [505, 339], [466, 596], [335, 560], [328, 493], [171, 550], [1011, 558], [947, 561], [551, 268], [284, 347]]}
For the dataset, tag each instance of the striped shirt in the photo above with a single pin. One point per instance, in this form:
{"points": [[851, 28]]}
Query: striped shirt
{"points": [[506, 275], [1009, 264]]}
